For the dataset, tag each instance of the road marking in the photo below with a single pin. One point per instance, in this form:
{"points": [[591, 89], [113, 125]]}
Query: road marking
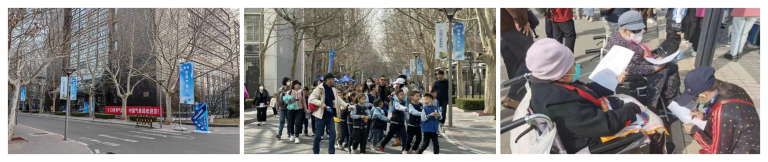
{"points": [[157, 131], [137, 136], [118, 138], [99, 142], [160, 135]]}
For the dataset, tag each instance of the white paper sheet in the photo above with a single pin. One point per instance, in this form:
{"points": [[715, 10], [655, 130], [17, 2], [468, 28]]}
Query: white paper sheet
{"points": [[665, 60], [684, 114], [612, 64]]}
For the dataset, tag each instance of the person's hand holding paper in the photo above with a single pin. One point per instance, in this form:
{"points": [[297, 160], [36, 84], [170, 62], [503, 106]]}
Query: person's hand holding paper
{"points": [[611, 66]]}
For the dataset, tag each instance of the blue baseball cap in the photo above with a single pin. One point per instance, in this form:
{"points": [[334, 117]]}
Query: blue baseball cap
{"points": [[697, 81]]}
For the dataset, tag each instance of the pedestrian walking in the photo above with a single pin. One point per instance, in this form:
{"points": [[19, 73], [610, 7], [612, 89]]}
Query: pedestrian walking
{"points": [[563, 28], [360, 116], [349, 138], [743, 19], [397, 120], [324, 96], [296, 110], [589, 14], [516, 38], [308, 114], [379, 123], [261, 100], [282, 107], [429, 125], [414, 123]]}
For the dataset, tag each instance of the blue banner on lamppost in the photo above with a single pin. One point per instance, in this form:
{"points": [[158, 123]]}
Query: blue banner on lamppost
{"points": [[73, 89], [186, 83], [23, 93], [419, 67], [458, 41], [200, 119], [331, 54]]}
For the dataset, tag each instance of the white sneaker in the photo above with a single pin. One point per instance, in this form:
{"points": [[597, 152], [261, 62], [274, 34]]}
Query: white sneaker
{"points": [[336, 146], [290, 139], [651, 21], [297, 140], [405, 152]]}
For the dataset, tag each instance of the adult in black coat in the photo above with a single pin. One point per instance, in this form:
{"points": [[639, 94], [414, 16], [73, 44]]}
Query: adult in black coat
{"points": [[261, 101]]}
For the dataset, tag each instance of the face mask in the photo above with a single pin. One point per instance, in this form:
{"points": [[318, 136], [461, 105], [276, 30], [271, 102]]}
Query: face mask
{"points": [[261, 88], [287, 83], [413, 85], [368, 83], [577, 73], [637, 38]]}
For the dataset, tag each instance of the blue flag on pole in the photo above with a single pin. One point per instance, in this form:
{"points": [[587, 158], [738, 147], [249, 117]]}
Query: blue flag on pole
{"points": [[458, 41], [23, 93], [73, 89], [200, 119], [186, 83], [330, 59], [419, 67]]}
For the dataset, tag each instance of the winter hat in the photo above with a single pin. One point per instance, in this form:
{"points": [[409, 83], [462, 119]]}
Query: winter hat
{"points": [[547, 59]]}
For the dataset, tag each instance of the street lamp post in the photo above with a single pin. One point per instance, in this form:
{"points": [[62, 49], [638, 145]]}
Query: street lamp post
{"points": [[161, 101], [69, 72], [307, 52], [449, 13]]}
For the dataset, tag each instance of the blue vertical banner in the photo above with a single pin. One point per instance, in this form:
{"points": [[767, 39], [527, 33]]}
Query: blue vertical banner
{"points": [[201, 118], [408, 74], [419, 67], [187, 83], [73, 89], [86, 107], [23, 93], [331, 55], [458, 41]]}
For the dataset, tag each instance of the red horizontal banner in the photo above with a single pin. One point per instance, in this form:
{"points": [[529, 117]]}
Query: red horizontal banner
{"points": [[135, 110]]}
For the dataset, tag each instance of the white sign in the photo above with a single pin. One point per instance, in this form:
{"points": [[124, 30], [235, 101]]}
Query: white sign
{"points": [[413, 65], [441, 40], [63, 88], [613, 64]]}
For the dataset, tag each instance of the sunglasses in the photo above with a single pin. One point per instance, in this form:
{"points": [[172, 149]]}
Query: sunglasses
{"points": [[636, 31]]}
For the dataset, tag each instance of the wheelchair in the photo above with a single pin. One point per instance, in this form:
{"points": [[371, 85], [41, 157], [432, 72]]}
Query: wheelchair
{"points": [[544, 140]]}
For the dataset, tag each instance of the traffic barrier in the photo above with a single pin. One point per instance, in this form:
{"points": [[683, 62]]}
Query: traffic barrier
{"points": [[145, 121]]}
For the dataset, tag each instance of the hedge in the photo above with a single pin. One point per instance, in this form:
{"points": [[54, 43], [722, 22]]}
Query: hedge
{"points": [[35, 111], [133, 118], [104, 116], [78, 114], [248, 103], [468, 96], [234, 107], [59, 113], [25, 111], [470, 104]]}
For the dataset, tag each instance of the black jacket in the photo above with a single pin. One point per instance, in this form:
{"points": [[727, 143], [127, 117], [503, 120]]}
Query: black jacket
{"points": [[580, 122], [441, 87], [261, 97], [739, 126], [383, 93]]}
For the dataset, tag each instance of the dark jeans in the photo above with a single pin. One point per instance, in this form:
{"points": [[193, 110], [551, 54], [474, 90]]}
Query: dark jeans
{"points": [[283, 115], [565, 33], [351, 136], [360, 135], [414, 134], [322, 124], [344, 134], [314, 119], [394, 129], [378, 134], [548, 28], [261, 114], [443, 105], [274, 110], [430, 137], [514, 48], [295, 118], [305, 122]]}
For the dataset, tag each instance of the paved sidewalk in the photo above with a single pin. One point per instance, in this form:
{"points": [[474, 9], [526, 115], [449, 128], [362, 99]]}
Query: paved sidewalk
{"points": [[190, 128], [472, 132], [43, 142]]}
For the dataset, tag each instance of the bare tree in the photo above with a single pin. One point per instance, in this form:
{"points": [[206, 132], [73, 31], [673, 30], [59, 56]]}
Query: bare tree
{"points": [[486, 23], [91, 49], [36, 37]]}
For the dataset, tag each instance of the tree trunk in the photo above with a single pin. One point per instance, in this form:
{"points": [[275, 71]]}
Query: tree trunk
{"points": [[168, 108], [125, 104], [490, 86], [14, 109], [90, 100], [296, 44], [459, 79]]}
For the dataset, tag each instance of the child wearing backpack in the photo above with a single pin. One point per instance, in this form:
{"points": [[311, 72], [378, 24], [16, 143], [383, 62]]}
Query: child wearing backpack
{"points": [[378, 122], [429, 124]]}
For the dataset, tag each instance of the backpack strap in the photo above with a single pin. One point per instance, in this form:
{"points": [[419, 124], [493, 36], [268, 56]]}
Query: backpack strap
{"points": [[582, 93]]}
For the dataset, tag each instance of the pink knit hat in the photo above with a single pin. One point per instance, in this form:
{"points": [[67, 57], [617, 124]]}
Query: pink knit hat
{"points": [[548, 59]]}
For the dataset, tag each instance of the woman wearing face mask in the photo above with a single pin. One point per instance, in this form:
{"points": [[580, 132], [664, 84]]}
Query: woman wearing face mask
{"points": [[732, 123], [261, 99], [664, 79], [571, 104]]}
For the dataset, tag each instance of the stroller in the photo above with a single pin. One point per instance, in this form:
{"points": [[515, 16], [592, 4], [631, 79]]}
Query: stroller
{"points": [[544, 140]]}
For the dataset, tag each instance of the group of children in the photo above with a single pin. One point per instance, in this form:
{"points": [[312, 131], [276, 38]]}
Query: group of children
{"points": [[365, 119]]}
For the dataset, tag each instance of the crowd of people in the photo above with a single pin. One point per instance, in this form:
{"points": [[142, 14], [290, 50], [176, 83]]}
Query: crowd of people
{"points": [[350, 116], [576, 107]]}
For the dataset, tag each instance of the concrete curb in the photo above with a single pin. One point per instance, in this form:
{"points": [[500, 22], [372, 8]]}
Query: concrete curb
{"points": [[449, 137]]}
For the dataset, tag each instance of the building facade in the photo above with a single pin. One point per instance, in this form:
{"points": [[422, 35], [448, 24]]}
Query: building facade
{"points": [[278, 56]]}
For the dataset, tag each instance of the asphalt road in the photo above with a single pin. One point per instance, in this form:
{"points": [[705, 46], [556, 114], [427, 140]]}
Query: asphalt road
{"points": [[261, 140], [122, 139]]}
